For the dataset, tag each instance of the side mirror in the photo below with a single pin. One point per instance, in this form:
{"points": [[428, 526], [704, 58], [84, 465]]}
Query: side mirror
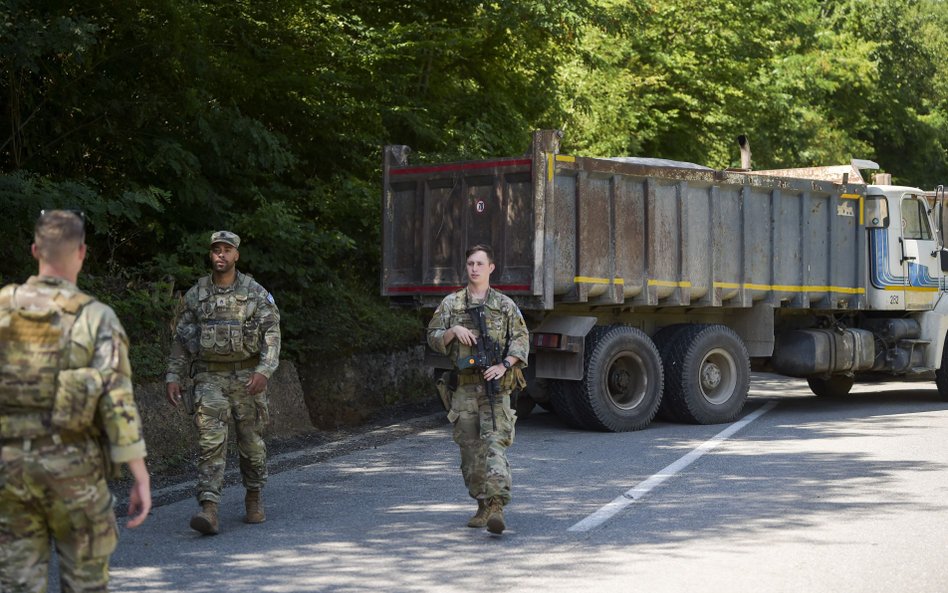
{"points": [[941, 216], [943, 256]]}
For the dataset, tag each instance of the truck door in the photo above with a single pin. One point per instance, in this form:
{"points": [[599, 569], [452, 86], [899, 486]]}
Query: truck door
{"points": [[918, 254]]}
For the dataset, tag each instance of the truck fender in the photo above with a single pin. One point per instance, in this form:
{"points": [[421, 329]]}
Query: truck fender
{"points": [[934, 327], [559, 346]]}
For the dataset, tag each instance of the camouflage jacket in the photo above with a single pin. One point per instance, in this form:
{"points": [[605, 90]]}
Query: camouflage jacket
{"points": [[504, 323], [98, 341], [228, 324]]}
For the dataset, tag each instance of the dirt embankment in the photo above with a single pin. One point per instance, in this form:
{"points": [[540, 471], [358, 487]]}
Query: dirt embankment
{"points": [[306, 402]]}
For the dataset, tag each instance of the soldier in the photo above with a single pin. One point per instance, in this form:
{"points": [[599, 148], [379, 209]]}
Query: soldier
{"points": [[452, 331], [229, 331], [67, 414]]}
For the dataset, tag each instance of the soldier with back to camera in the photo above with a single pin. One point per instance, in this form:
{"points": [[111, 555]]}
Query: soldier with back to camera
{"points": [[227, 339], [67, 418]]}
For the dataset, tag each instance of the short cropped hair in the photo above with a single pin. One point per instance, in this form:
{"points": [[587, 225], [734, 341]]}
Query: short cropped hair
{"points": [[57, 233], [480, 247]]}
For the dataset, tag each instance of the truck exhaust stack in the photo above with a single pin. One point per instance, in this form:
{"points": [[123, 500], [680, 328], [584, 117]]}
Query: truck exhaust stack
{"points": [[745, 152]]}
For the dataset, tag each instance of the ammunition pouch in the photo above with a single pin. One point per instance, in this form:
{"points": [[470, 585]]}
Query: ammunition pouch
{"points": [[112, 470], [24, 425], [76, 399], [447, 384], [513, 380]]}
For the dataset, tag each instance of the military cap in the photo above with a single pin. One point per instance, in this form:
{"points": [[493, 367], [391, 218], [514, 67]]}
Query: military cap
{"points": [[225, 237]]}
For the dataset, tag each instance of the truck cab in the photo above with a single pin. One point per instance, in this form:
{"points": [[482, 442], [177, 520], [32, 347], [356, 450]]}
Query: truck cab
{"points": [[904, 252]]}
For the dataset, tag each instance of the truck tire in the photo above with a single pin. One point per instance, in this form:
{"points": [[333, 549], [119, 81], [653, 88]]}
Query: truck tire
{"points": [[563, 397], [835, 386], [664, 340], [622, 387], [565, 394], [707, 375], [941, 375], [539, 391], [525, 405]]}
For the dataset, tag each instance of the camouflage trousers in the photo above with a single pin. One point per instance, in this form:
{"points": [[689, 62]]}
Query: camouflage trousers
{"points": [[58, 491], [483, 450], [218, 396]]}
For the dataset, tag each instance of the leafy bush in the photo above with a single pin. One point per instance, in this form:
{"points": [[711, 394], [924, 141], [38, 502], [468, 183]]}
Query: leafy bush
{"points": [[168, 120]]}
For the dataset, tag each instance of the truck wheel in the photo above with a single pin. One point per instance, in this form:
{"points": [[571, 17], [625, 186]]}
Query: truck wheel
{"points": [[525, 405], [707, 375], [664, 340], [835, 386], [622, 388], [539, 391], [563, 397], [941, 375]]}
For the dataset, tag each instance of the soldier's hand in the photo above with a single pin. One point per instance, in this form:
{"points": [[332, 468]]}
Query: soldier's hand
{"points": [[464, 335], [139, 496], [173, 391], [495, 372], [256, 384]]}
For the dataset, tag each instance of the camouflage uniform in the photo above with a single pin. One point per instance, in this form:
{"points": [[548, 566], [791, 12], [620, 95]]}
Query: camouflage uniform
{"points": [[483, 449], [227, 334], [65, 391]]}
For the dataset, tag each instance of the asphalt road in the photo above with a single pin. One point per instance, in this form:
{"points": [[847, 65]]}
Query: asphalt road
{"points": [[805, 494]]}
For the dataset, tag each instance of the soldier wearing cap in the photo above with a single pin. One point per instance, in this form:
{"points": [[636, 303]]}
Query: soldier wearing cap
{"points": [[227, 339], [67, 418]]}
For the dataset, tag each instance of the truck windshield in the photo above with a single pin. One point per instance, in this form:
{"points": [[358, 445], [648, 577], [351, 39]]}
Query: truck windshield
{"points": [[915, 220]]}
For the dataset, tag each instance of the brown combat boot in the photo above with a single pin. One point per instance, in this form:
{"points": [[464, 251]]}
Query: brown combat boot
{"points": [[495, 516], [254, 505], [206, 520], [480, 517]]}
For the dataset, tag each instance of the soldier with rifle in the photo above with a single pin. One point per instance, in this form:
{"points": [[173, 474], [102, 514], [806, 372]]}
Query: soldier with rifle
{"points": [[483, 332], [227, 339]]}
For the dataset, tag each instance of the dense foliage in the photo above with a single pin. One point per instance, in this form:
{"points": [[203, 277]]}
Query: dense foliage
{"points": [[166, 119]]}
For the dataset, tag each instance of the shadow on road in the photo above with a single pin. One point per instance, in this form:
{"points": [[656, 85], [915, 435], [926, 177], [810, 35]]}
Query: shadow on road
{"points": [[391, 518]]}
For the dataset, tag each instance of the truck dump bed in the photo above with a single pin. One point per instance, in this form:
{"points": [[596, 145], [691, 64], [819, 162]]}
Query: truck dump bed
{"points": [[582, 232]]}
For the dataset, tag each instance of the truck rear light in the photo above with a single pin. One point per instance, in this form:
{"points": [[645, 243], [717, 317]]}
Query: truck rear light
{"points": [[546, 340]]}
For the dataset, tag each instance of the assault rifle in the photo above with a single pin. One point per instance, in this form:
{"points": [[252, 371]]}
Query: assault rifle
{"points": [[487, 353]]}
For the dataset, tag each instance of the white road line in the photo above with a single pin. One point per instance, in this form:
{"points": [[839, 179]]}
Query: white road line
{"points": [[611, 509]]}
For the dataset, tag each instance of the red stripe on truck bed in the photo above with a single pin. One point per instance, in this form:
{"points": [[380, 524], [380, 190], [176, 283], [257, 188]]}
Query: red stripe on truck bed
{"points": [[448, 289], [459, 167]]}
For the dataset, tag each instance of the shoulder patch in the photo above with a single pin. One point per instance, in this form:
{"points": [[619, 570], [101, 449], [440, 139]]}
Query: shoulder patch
{"points": [[270, 298]]}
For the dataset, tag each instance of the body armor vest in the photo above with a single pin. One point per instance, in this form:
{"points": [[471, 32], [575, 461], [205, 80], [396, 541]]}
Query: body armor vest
{"points": [[227, 330], [460, 314], [35, 330]]}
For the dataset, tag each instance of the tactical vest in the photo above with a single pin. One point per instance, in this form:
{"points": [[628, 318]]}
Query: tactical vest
{"points": [[37, 395], [227, 329], [496, 325]]}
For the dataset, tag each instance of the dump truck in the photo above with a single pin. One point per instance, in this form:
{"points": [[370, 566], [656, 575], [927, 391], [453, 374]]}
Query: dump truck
{"points": [[656, 287]]}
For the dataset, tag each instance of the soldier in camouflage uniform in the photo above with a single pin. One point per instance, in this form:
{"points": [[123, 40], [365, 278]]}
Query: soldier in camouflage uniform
{"points": [[67, 416], [453, 332], [227, 339]]}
